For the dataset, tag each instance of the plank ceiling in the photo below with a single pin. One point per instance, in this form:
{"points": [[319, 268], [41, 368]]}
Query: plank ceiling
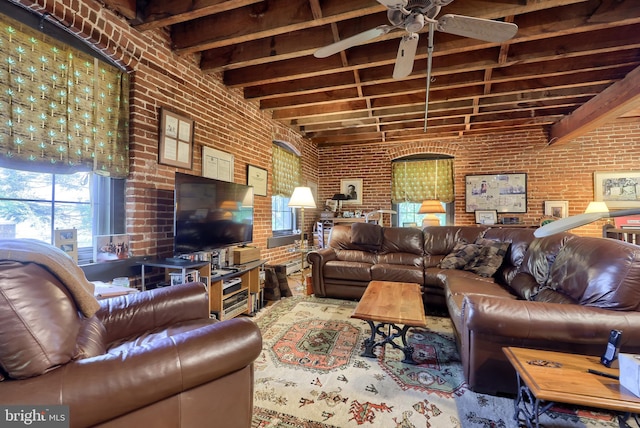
{"points": [[573, 65]]}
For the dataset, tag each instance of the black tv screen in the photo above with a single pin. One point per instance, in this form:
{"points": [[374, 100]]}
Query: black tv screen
{"points": [[211, 214]]}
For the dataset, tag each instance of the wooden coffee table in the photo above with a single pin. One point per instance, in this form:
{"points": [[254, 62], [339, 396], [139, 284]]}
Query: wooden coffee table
{"points": [[390, 304], [546, 377]]}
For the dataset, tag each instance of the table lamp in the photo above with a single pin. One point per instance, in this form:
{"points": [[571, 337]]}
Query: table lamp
{"points": [[340, 197], [431, 207], [302, 198]]}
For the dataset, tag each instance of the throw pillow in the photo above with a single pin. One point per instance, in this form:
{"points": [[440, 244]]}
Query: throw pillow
{"points": [[489, 259], [462, 254]]}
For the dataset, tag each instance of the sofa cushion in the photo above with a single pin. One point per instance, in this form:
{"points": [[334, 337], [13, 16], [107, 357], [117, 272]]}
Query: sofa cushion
{"points": [[368, 236], [461, 255], [350, 271], [525, 285], [489, 259], [402, 240], [599, 272], [39, 320]]}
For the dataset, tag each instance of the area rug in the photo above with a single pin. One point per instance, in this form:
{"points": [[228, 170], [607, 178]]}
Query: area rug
{"points": [[310, 374]]}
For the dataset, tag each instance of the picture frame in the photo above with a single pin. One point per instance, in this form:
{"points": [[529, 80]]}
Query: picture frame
{"points": [[67, 241], [257, 177], [486, 216], [558, 209], [505, 193], [217, 164], [110, 247], [355, 193], [618, 190], [175, 145]]}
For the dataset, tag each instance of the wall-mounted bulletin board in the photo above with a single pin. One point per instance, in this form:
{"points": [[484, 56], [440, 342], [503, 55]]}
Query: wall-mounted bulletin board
{"points": [[505, 193]]}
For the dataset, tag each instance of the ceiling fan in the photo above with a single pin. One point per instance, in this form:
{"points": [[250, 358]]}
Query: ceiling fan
{"points": [[412, 16]]}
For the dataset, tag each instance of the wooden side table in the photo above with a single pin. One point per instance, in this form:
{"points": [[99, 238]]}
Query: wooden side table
{"points": [[546, 377]]}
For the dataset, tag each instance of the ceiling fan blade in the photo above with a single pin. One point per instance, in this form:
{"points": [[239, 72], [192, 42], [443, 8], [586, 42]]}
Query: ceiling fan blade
{"points": [[406, 55], [352, 41], [477, 28]]}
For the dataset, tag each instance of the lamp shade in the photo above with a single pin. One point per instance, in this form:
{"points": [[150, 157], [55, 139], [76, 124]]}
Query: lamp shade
{"points": [[431, 206], [597, 207], [302, 198]]}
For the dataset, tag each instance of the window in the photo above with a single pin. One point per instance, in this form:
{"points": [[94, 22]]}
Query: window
{"points": [[34, 204], [286, 172], [282, 216], [408, 213]]}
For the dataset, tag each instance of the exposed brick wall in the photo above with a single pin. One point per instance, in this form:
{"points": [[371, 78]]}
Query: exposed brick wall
{"points": [[553, 173], [223, 120]]}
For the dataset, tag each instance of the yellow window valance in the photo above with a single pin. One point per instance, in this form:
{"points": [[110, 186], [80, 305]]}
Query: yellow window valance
{"points": [[415, 181], [61, 109]]}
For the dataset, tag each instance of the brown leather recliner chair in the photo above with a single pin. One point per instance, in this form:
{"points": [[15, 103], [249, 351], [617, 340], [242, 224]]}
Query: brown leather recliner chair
{"points": [[150, 359]]}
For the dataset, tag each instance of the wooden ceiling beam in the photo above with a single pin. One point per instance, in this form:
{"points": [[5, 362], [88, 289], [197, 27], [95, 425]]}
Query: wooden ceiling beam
{"points": [[613, 102]]}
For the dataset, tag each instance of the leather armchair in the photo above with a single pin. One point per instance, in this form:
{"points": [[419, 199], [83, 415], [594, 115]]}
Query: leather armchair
{"points": [[148, 359]]}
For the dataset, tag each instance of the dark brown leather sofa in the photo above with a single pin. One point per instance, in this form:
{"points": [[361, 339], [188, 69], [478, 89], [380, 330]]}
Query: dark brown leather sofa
{"points": [[562, 292], [151, 359]]}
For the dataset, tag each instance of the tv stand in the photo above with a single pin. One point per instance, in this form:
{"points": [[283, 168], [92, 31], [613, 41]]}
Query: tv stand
{"points": [[244, 299]]}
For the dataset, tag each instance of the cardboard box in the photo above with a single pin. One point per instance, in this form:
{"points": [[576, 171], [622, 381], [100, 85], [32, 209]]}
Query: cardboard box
{"points": [[242, 255], [630, 372]]}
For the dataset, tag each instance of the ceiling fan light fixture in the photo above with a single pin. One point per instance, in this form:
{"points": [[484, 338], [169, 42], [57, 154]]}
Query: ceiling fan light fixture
{"points": [[414, 22]]}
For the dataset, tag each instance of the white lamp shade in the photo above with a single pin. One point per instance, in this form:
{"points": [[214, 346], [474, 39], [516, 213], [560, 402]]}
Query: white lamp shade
{"points": [[302, 198], [597, 207]]}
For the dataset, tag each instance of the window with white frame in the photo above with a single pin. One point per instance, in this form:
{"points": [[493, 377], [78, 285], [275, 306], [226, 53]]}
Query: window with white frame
{"points": [[34, 204]]}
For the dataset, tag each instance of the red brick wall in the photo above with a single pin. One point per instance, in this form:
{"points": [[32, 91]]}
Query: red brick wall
{"points": [[553, 173], [223, 120]]}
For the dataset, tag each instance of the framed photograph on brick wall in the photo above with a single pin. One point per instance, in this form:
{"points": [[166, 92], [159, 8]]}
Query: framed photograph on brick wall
{"points": [[617, 189], [176, 140], [559, 209], [505, 193]]}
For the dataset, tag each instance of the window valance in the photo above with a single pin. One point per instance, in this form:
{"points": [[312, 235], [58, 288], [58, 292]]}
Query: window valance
{"points": [[286, 171], [415, 181], [62, 110]]}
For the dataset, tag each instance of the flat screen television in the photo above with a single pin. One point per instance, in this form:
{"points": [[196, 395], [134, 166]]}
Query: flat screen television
{"points": [[211, 214]]}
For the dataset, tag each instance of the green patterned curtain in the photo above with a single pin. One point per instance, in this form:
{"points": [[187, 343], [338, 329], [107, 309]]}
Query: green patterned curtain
{"points": [[61, 110], [286, 171], [415, 181]]}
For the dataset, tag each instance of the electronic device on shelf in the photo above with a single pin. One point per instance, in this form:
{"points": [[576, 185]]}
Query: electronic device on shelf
{"points": [[211, 214]]}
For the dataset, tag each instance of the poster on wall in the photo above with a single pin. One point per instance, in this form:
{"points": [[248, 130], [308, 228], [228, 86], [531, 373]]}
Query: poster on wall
{"points": [[505, 193], [217, 164]]}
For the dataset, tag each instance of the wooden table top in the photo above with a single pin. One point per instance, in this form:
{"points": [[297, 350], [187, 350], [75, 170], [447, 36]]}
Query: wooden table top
{"points": [[392, 302], [570, 382]]}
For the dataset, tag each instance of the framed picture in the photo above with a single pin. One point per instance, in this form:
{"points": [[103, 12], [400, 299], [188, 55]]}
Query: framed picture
{"points": [[67, 241], [559, 209], [217, 164], [486, 216], [352, 187], [505, 193], [111, 247], [617, 189], [176, 140], [257, 177]]}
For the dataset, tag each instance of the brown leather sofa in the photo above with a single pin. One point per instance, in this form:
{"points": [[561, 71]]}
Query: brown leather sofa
{"points": [[562, 292], [151, 359]]}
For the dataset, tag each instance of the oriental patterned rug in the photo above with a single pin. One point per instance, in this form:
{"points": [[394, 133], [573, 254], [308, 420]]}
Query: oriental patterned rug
{"points": [[310, 374]]}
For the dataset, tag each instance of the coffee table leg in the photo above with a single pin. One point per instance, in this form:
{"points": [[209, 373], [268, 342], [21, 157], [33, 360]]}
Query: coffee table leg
{"points": [[370, 343], [529, 406]]}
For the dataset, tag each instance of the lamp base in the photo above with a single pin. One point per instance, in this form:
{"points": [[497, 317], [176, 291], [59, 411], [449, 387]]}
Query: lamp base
{"points": [[430, 220]]}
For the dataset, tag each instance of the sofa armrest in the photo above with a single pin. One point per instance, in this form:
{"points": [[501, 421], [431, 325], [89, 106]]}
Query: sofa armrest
{"points": [[132, 314], [523, 319], [104, 387], [317, 260]]}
